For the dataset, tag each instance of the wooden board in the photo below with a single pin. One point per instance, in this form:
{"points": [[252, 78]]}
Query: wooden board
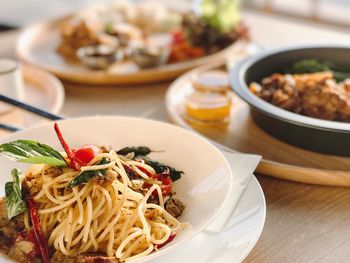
{"points": [[280, 159], [37, 46]]}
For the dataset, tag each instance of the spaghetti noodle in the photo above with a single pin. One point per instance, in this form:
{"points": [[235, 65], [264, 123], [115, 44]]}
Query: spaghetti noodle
{"points": [[113, 213], [116, 204]]}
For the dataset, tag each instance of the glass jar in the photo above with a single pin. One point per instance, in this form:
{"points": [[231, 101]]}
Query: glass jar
{"points": [[210, 99]]}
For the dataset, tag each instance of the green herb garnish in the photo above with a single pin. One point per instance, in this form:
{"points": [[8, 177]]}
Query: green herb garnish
{"points": [[140, 150], [175, 174], [160, 167], [13, 195], [27, 151], [84, 177], [305, 66]]}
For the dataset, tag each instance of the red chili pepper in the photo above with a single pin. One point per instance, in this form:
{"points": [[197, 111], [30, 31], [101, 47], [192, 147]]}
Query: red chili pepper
{"points": [[160, 177], [66, 148], [31, 238], [171, 238], [167, 181], [39, 237], [145, 171], [130, 172], [164, 177], [166, 189]]}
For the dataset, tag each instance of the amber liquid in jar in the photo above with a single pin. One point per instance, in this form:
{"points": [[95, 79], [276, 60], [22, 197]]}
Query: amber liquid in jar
{"points": [[210, 100]]}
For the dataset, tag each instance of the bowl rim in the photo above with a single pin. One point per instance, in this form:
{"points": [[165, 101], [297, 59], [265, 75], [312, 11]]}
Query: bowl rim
{"points": [[204, 225], [238, 84]]}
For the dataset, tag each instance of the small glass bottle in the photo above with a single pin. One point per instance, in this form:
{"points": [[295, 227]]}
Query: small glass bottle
{"points": [[210, 100]]}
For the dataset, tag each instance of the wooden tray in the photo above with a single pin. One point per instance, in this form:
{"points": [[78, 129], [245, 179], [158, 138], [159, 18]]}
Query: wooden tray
{"points": [[37, 44], [280, 159]]}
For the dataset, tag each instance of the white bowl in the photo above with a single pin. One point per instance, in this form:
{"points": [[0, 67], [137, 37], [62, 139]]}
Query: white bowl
{"points": [[205, 187]]}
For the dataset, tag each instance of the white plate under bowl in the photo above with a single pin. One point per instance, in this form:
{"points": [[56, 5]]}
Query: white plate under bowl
{"points": [[205, 187], [235, 242], [41, 89]]}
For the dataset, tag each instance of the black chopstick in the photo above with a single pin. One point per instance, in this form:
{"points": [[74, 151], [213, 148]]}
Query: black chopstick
{"points": [[9, 127], [6, 27], [30, 108]]}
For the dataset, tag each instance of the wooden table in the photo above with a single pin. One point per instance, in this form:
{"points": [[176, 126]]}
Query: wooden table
{"points": [[304, 223]]}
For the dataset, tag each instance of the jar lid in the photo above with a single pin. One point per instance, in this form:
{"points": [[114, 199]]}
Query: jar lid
{"points": [[213, 80]]}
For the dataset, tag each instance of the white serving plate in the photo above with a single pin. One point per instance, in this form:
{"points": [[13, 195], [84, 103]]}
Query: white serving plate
{"points": [[235, 242], [204, 189]]}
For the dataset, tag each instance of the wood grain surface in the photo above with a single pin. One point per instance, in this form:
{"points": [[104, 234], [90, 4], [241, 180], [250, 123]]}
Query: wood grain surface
{"points": [[305, 223], [280, 159]]}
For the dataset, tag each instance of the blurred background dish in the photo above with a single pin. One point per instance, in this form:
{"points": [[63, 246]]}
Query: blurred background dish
{"points": [[98, 57], [41, 89], [147, 42], [11, 82], [319, 97], [332, 12]]}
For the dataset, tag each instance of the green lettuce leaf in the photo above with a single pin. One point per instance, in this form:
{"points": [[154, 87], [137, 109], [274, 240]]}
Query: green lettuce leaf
{"points": [[221, 14]]}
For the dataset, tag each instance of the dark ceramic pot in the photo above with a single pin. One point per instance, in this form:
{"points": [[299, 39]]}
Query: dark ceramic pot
{"points": [[323, 136]]}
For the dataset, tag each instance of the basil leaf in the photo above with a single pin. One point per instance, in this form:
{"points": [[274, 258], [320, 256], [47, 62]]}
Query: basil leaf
{"points": [[43, 160], [140, 150], [308, 66], [27, 151], [13, 193], [157, 166], [84, 177], [160, 167], [304, 66], [175, 174]]}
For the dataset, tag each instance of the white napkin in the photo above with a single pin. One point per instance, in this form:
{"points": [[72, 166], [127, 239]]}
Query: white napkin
{"points": [[242, 168]]}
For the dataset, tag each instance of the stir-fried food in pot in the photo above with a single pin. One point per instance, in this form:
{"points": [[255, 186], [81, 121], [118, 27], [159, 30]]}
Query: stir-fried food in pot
{"points": [[317, 94]]}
